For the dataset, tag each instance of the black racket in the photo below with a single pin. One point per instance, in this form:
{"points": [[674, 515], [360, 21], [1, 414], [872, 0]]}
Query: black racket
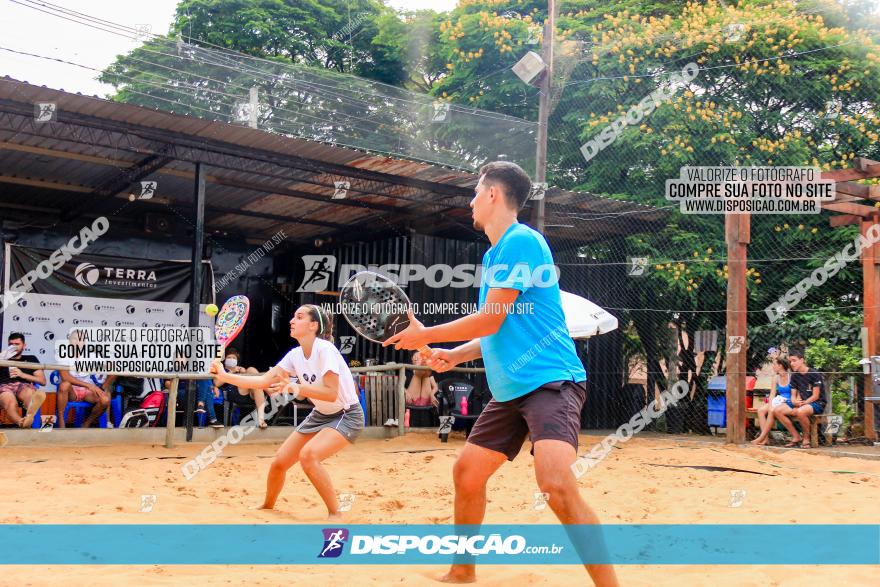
{"points": [[375, 307]]}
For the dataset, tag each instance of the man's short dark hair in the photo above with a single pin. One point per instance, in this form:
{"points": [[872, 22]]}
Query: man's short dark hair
{"points": [[511, 178], [232, 351], [796, 352], [16, 336]]}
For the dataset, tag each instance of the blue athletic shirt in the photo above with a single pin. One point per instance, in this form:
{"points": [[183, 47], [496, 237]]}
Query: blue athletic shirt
{"points": [[533, 346]]}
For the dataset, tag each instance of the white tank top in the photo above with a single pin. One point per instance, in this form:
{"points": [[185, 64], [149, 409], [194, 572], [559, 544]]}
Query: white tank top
{"points": [[325, 357]]}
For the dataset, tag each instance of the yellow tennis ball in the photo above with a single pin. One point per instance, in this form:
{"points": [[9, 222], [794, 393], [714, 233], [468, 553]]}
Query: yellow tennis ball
{"points": [[211, 309]]}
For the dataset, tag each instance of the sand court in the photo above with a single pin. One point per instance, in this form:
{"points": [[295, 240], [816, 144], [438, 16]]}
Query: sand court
{"points": [[407, 480]]}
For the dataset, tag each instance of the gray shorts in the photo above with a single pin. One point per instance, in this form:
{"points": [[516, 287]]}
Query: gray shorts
{"points": [[348, 422]]}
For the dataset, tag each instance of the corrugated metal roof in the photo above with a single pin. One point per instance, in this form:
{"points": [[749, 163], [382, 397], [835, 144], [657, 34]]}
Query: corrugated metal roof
{"points": [[252, 172]]}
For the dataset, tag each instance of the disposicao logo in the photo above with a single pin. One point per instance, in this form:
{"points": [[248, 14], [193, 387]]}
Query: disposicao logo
{"points": [[334, 541]]}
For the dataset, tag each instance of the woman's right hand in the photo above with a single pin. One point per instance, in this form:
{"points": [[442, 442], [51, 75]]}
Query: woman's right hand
{"points": [[442, 360], [276, 386]]}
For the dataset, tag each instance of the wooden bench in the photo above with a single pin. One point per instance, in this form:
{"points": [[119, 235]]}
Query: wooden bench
{"points": [[752, 414]]}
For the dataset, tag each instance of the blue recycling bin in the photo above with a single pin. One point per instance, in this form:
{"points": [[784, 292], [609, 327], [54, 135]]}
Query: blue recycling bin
{"points": [[716, 401]]}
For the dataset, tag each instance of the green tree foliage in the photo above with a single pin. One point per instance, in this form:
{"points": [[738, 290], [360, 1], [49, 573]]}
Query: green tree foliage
{"points": [[838, 362], [333, 34], [345, 36]]}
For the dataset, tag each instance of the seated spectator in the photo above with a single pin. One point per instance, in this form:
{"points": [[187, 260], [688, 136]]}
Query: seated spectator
{"points": [[807, 398], [232, 362], [780, 392], [18, 385], [93, 388], [422, 387], [206, 392]]}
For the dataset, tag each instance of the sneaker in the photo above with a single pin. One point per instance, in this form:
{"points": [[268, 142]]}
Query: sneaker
{"points": [[215, 424]]}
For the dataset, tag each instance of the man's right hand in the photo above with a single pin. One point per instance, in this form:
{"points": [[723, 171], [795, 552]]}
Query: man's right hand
{"points": [[217, 369], [442, 360]]}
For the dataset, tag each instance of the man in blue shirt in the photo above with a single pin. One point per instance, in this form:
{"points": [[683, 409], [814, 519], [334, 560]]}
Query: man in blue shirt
{"points": [[537, 381]]}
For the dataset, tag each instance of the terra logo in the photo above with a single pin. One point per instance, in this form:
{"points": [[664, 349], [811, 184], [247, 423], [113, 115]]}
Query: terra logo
{"points": [[86, 274], [334, 541]]}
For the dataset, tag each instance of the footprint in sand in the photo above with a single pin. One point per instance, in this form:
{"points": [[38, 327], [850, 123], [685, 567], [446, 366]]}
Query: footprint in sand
{"points": [[394, 504]]}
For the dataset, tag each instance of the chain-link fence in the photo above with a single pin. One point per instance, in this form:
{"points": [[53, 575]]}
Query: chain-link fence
{"points": [[638, 96], [759, 84]]}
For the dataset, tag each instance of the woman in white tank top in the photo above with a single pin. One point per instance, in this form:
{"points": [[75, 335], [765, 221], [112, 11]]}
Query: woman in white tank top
{"points": [[316, 370]]}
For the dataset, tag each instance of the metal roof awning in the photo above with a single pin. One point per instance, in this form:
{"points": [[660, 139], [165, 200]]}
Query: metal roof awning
{"points": [[86, 162]]}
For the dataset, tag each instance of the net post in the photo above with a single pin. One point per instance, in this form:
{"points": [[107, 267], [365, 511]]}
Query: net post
{"points": [[401, 400], [171, 413]]}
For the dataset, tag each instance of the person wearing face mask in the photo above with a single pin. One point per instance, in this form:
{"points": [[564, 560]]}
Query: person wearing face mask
{"points": [[17, 385], [232, 363]]}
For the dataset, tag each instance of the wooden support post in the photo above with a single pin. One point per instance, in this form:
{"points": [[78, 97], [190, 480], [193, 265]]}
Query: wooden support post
{"points": [[737, 235], [401, 400], [871, 297], [171, 413]]}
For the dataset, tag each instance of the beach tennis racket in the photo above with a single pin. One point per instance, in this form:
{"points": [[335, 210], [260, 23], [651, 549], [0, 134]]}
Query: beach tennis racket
{"points": [[230, 321], [375, 307]]}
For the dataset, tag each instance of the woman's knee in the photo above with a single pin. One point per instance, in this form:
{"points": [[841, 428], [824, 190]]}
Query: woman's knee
{"points": [[282, 462], [309, 457]]}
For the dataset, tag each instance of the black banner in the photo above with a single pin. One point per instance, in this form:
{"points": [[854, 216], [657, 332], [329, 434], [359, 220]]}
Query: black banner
{"points": [[105, 276]]}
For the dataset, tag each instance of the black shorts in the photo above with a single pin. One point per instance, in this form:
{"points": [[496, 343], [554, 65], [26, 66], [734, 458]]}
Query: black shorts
{"points": [[551, 412]]}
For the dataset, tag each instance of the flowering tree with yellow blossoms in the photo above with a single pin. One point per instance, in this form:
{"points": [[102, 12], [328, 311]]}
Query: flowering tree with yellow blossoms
{"points": [[779, 83]]}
